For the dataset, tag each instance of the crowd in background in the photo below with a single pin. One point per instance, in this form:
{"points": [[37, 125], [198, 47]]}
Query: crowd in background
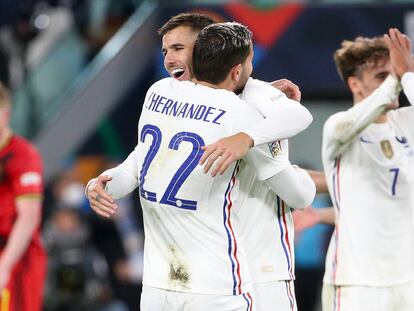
{"points": [[29, 29], [94, 264]]}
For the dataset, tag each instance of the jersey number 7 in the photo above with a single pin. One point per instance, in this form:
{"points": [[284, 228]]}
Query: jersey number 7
{"points": [[394, 181], [190, 163]]}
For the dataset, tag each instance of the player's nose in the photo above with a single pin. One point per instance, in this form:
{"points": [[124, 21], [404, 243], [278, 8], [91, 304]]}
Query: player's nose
{"points": [[169, 59]]}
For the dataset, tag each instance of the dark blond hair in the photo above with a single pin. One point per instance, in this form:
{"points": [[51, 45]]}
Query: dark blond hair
{"points": [[355, 56]]}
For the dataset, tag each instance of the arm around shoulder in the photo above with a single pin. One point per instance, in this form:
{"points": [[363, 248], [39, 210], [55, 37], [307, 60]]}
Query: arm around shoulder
{"points": [[294, 186], [284, 117], [282, 120]]}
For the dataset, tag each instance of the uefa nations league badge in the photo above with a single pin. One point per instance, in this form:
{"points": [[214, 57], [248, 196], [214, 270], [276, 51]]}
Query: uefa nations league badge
{"points": [[275, 148]]}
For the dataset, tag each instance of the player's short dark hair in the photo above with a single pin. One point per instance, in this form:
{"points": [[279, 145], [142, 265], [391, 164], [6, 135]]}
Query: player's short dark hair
{"points": [[194, 20], [355, 56], [4, 96], [218, 48]]}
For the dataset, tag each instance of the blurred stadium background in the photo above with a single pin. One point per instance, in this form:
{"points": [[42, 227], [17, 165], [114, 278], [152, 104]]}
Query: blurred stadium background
{"points": [[79, 69]]}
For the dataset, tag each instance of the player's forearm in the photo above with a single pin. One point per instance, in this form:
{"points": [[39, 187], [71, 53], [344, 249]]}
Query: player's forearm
{"points": [[283, 123], [294, 186], [326, 215], [124, 177], [342, 128], [20, 236], [122, 182], [284, 117]]}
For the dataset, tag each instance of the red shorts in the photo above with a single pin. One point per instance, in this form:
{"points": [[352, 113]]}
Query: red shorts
{"points": [[24, 292]]}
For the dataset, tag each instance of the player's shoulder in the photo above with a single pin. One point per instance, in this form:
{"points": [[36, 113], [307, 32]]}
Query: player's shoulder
{"points": [[23, 147], [163, 83], [403, 112], [256, 84], [334, 118], [256, 91], [403, 116], [217, 95], [407, 79]]}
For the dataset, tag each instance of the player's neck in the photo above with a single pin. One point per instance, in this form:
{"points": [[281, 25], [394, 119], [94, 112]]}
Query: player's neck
{"points": [[382, 118], [5, 135], [222, 85]]}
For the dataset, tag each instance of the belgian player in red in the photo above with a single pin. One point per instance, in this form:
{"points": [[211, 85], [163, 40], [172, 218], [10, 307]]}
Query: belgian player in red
{"points": [[22, 257]]}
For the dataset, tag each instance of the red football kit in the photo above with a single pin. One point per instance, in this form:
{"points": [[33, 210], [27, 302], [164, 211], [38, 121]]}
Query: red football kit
{"points": [[21, 176]]}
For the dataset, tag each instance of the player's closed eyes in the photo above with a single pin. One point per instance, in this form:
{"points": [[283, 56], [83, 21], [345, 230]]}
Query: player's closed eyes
{"points": [[382, 76]]}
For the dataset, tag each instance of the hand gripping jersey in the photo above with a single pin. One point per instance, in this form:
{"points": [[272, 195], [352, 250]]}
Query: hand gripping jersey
{"points": [[369, 168]]}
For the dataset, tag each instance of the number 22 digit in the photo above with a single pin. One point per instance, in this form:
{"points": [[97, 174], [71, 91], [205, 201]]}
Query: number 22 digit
{"points": [[169, 197]]}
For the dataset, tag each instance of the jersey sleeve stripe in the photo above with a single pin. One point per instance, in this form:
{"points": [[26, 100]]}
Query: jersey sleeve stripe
{"points": [[232, 243], [337, 199], [335, 259], [284, 235], [336, 184]]}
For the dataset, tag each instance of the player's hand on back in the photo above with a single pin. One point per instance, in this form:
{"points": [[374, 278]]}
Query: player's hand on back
{"points": [[400, 52], [290, 89], [224, 152], [101, 202], [304, 219]]}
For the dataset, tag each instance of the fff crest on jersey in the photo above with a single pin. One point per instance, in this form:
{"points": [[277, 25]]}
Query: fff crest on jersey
{"points": [[275, 148], [386, 148]]}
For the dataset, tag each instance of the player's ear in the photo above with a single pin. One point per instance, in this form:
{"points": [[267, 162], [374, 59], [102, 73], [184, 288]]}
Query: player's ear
{"points": [[235, 72], [354, 84]]}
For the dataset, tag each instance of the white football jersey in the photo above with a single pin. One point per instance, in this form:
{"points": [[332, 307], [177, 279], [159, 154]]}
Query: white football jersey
{"points": [[266, 221], [192, 241], [202, 230], [267, 225], [369, 168]]}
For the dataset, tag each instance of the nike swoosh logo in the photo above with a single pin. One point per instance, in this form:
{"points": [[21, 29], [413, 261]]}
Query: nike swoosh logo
{"points": [[402, 140], [363, 140]]}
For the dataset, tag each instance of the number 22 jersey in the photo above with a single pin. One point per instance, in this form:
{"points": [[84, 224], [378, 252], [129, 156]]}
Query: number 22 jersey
{"points": [[192, 239]]}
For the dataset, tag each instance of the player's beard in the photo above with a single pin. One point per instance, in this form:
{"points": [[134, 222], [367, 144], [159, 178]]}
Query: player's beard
{"points": [[239, 90], [240, 86]]}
